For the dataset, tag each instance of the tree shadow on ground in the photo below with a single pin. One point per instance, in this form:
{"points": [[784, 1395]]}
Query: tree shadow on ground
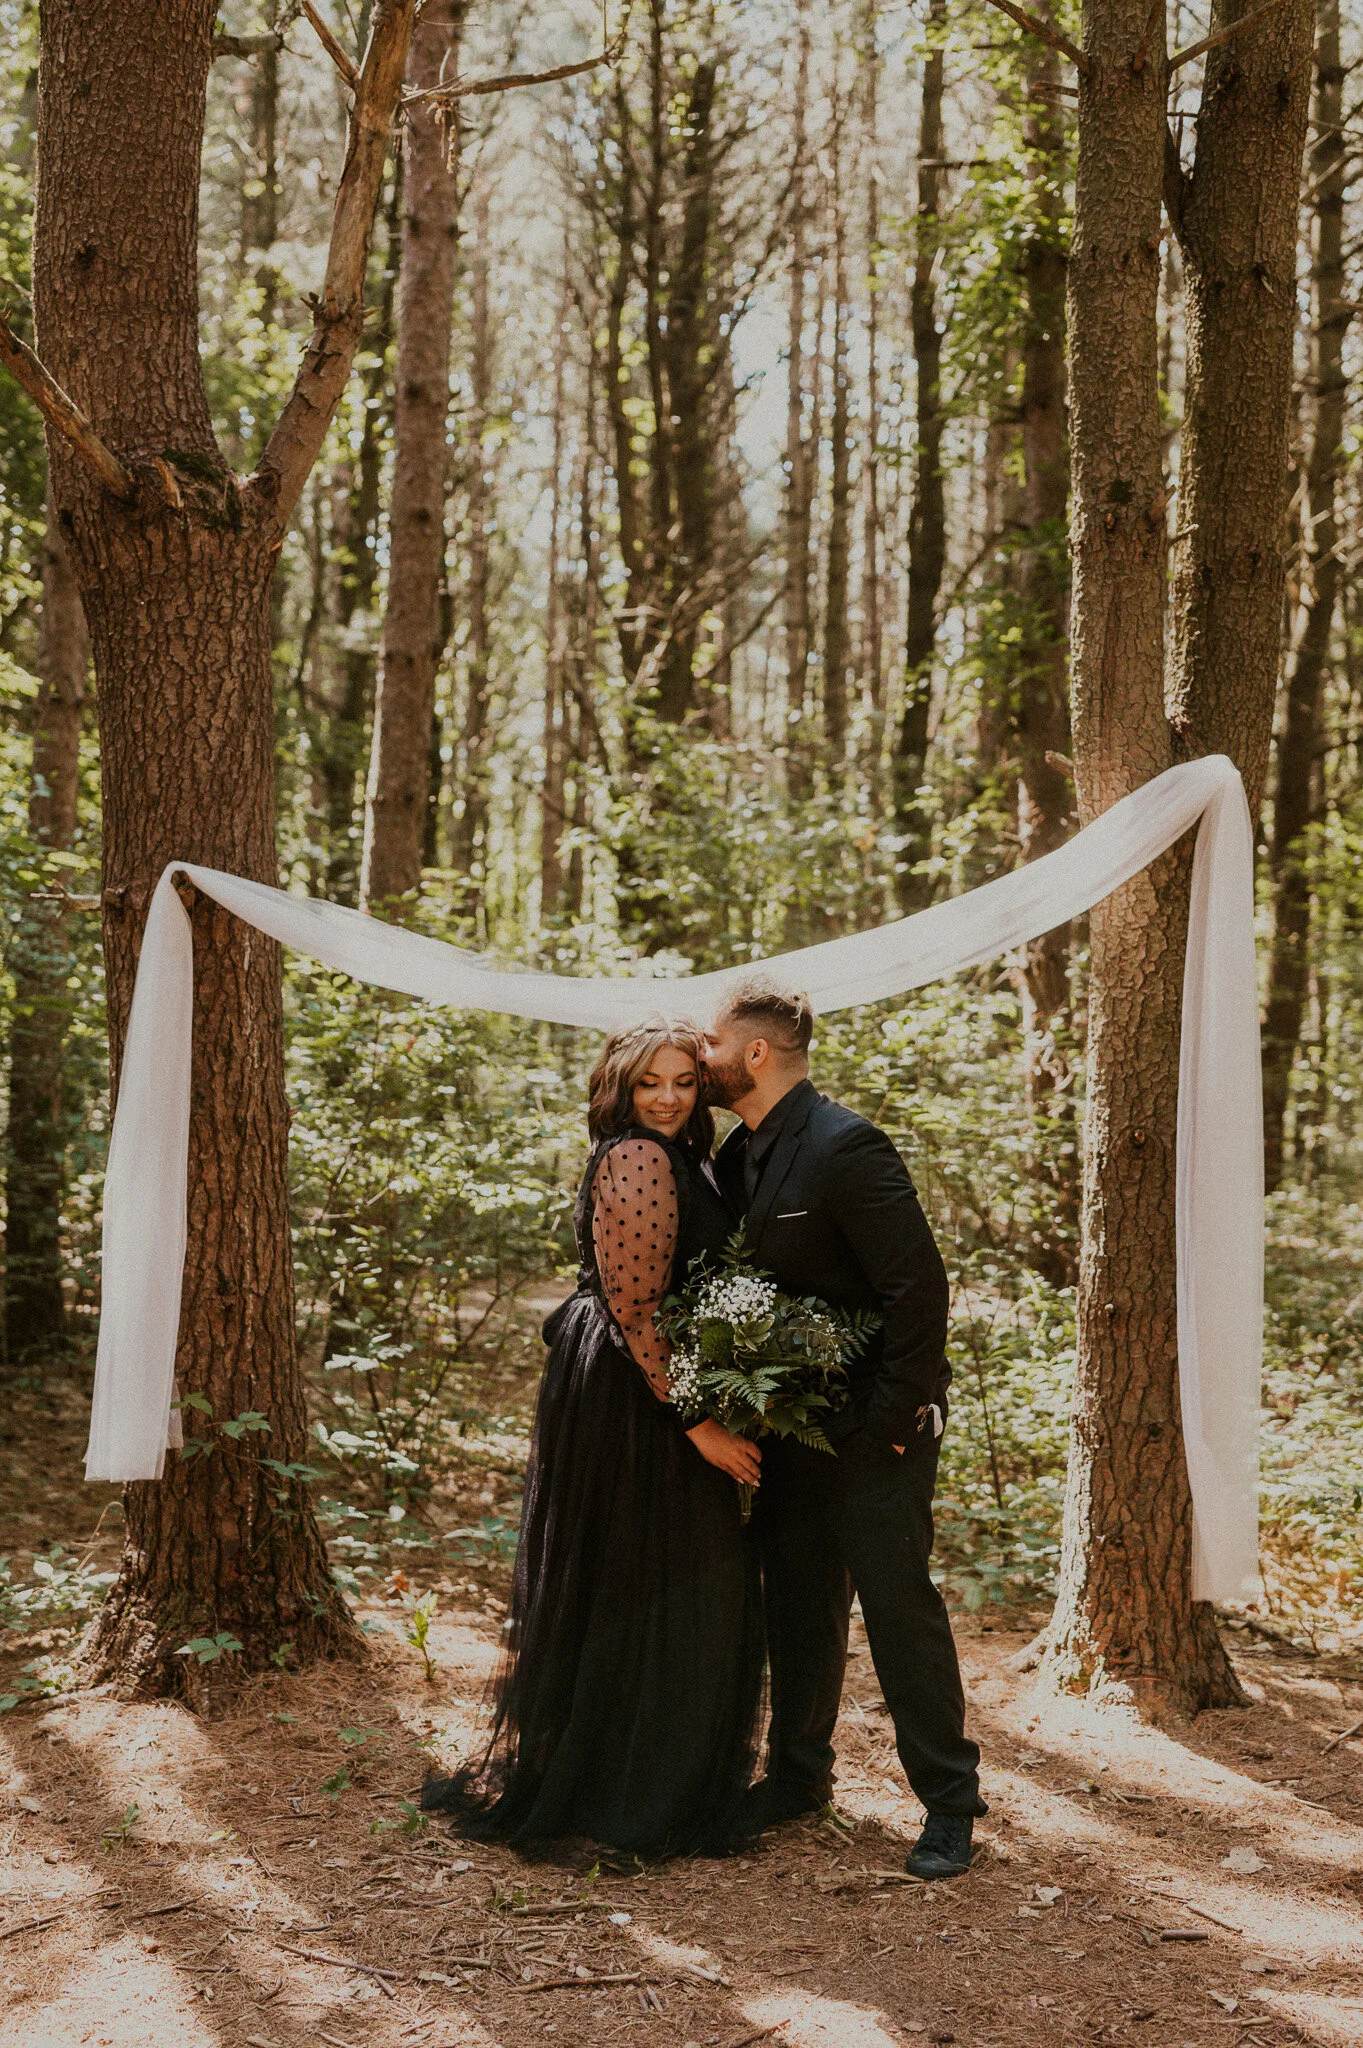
{"points": [[277, 1823]]}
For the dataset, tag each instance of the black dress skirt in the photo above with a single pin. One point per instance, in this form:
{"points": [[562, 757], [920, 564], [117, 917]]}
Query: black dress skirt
{"points": [[627, 1704]]}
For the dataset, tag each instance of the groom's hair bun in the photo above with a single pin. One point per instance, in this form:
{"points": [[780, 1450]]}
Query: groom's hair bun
{"points": [[769, 1010]]}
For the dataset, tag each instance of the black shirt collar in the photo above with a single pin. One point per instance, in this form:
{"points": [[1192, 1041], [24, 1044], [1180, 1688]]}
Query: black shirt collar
{"points": [[774, 1122]]}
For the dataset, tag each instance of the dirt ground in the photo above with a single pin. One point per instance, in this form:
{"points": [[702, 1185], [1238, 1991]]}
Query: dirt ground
{"points": [[243, 1878]]}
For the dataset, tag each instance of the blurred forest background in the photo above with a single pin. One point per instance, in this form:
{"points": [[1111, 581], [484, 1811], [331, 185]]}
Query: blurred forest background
{"points": [[751, 499]]}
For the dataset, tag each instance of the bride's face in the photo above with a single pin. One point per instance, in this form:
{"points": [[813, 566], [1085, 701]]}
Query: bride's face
{"points": [[665, 1093]]}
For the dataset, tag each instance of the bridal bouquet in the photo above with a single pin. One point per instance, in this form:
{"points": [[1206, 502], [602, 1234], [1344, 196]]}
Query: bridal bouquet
{"points": [[760, 1362]]}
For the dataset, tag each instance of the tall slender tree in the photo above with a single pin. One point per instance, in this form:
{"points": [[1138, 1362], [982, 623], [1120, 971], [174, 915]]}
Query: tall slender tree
{"points": [[1296, 790], [927, 511], [397, 798]]}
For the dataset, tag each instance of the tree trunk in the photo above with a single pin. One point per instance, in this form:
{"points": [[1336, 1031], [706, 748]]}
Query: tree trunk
{"points": [[553, 781], [470, 832], [1295, 798], [927, 514], [1125, 1614], [872, 613], [799, 455], [1236, 217], [34, 1310], [175, 557], [397, 800], [691, 354], [1042, 725], [836, 638]]}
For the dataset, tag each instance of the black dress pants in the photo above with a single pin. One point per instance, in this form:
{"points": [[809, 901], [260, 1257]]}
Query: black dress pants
{"points": [[860, 1521]]}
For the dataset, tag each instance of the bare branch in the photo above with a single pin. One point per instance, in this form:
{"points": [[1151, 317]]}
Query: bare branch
{"points": [[457, 89], [247, 46], [62, 413], [1037, 27], [1223, 35], [332, 47], [339, 310]]}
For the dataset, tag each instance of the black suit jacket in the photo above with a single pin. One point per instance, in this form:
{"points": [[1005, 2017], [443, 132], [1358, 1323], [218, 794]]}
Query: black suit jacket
{"points": [[836, 1215]]}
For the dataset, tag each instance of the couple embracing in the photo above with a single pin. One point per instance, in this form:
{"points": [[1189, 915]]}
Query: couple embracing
{"points": [[627, 1708]]}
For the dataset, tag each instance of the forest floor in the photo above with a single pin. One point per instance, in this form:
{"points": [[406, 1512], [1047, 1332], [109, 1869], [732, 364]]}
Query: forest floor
{"points": [[249, 1877]]}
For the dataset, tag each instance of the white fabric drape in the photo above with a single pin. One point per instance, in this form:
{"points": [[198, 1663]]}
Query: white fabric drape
{"points": [[1220, 1173]]}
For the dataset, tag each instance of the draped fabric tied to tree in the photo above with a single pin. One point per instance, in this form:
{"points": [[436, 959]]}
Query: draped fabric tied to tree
{"points": [[1220, 1159]]}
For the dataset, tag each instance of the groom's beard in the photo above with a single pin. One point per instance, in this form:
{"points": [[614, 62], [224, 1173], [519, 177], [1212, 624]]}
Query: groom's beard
{"points": [[726, 1086]]}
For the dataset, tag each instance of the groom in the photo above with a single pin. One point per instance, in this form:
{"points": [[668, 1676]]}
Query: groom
{"points": [[830, 1211]]}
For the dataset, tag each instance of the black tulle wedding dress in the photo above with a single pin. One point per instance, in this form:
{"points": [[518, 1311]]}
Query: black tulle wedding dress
{"points": [[627, 1703]]}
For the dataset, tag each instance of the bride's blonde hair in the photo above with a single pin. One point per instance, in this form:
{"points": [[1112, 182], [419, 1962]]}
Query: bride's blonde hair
{"points": [[629, 1054]]}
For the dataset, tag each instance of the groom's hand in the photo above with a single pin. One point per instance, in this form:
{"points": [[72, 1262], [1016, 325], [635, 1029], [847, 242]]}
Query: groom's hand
{"points": [[732, 1454]]}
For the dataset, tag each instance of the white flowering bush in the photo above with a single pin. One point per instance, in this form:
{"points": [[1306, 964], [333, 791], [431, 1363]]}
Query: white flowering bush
{"points": [[760, 1362]]}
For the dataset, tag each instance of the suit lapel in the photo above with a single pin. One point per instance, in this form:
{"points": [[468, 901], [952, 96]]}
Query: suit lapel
{"points": [[776, 1169]]}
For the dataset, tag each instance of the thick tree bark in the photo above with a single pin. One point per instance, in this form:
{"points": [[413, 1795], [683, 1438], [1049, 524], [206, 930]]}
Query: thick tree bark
{"points": [[1295, 794], [34, 1310], [1125, 1614], [1236, 217], [398, 795], [1042, 725], [176, 578], [927, 513]]}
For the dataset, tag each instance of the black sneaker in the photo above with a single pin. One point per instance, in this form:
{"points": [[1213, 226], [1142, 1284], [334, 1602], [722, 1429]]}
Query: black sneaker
{"points": [[943, 1848]]}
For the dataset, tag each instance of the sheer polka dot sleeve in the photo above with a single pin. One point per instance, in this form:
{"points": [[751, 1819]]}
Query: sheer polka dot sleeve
{"points": [[635, 1215]]}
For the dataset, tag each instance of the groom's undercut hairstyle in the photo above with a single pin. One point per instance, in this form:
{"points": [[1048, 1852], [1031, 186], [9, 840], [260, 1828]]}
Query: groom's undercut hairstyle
{"points": [[765, 1009]]}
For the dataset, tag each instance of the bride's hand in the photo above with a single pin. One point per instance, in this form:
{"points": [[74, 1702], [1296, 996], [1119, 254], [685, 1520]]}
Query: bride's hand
{"points": [[732, 1454]]}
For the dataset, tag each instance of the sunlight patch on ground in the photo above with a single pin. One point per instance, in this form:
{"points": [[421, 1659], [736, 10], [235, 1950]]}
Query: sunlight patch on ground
{"points": [[116, 1995], [1334, 2022], [806, 2020]]}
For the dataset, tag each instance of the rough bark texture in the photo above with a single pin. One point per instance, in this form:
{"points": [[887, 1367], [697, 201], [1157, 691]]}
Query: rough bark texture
{"points": [[398, 795], [1236, 218], [176, 588], [927, 514], [1295, 794], [1125, 1613], [1041, 734], [34, 1310]]}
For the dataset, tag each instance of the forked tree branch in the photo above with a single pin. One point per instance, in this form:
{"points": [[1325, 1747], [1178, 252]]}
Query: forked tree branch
{"points": [[1037, 27], [1223, 35], [461, 89], [294, 445], [332, 47], [62, 413]]}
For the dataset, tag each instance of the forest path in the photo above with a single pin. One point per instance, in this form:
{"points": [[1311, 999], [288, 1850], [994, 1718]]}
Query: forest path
{"points": [[1130, 1886]]}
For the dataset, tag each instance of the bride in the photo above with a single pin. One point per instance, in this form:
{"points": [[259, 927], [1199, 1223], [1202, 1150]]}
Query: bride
{"points": [[627, 1703]]}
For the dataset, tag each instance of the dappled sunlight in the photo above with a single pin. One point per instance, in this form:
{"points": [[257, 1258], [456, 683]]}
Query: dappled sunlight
{"points": [[808, 2020]]}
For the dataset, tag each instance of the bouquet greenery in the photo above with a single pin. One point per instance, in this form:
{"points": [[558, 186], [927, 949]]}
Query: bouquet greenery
{"points": [[760, 1362]]}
